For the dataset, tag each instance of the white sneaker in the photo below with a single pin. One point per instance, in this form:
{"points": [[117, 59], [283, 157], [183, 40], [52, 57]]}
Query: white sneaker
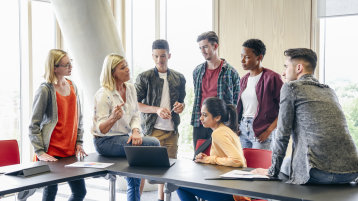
{"points": [[23, 195]]}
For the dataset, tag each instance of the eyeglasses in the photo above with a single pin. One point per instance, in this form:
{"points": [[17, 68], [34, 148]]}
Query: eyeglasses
{"points": [[65, 65]]}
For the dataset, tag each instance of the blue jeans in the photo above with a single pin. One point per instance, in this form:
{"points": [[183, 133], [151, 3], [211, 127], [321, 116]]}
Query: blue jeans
{"points": [[319, 176], [188, 194], [322, 177], [247, 136], [78, 189], [113, 146]]}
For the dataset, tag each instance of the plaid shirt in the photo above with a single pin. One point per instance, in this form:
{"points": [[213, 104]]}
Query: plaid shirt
{"points": [[228, 88]]}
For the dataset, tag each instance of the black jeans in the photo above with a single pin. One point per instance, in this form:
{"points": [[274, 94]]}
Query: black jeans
{"points": [[201, 133], [78, 189]]}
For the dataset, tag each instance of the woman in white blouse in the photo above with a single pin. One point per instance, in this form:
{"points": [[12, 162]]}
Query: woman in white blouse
{"points": [[116, 120]]}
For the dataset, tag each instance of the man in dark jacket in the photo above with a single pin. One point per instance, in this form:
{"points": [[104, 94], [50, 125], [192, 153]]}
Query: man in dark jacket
{"points": [[161, 93]]}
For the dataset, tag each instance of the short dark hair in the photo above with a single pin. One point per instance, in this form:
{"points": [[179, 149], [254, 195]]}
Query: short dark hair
{"points": [[217, 106], [160, 44], [257, 46], [305, 54], [210, 35]]}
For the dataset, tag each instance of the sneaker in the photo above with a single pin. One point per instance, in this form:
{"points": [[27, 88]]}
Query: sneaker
{"points": [[23, 195]]}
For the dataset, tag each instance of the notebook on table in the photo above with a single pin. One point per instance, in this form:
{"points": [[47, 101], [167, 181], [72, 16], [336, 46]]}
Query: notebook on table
{"points": [[150, 156]]}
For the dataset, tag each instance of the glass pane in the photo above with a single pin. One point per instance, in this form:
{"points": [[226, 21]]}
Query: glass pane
{"points": [[10, 70], [340, 70], [43, 38], [142, 36], [183, 30]]}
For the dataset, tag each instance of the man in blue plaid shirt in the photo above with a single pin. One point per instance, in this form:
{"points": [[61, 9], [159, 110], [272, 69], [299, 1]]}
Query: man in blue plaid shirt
{"points": [[213, 78]]}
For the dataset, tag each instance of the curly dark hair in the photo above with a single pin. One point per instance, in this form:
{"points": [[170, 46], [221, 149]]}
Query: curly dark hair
{"points": [[257, 46]]}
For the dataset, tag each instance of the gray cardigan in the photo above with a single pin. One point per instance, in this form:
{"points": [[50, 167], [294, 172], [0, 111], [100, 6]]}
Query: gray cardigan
{"points": [[310, 112], [44, 118]]}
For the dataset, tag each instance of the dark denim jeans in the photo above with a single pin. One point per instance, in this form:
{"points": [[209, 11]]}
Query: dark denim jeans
{"points": [[78, 189], [319, 176], [113, 146], [188, 194]]}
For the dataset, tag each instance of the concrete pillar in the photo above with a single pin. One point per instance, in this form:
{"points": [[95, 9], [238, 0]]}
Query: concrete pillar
{"points": [[90, 33]]}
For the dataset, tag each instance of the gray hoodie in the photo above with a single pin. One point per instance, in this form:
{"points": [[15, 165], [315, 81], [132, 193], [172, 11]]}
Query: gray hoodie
{"points": [[44, 118]]}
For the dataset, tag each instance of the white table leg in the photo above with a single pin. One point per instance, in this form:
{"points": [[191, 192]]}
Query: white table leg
{"points": [[168, 189], [112, 186]]}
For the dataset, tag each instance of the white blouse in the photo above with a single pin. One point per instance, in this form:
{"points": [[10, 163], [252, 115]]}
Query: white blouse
{"points": [[106, 100]]}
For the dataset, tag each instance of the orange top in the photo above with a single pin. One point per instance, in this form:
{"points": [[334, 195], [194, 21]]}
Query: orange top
{"points": [[64, 136]]}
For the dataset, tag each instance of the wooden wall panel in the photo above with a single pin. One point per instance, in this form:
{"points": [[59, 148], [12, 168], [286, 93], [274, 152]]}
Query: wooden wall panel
{"points": [[280, 24]]}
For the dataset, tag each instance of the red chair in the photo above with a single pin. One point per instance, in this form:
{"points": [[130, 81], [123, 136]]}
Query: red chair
{"points": [[9, 152], [200, 142], [10, 155], [257, 158]]}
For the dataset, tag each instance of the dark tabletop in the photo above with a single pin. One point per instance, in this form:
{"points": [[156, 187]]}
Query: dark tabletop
{"points": [[190, 174], [183, 173], [58, 174]]}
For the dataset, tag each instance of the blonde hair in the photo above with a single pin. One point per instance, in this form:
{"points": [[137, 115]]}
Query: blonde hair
{"points": [[109, 64], [53, 58]]}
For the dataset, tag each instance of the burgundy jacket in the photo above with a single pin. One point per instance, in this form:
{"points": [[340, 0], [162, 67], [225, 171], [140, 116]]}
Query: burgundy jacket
{"points": [[268, 96]]}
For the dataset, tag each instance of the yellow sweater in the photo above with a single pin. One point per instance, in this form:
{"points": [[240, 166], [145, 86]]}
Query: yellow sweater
{"points": [[225, 148]]}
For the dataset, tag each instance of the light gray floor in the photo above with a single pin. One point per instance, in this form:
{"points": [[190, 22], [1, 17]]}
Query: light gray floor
{"points": [[97, 190]]}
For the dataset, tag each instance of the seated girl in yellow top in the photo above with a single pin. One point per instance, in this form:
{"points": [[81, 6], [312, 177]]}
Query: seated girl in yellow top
{"points": [[225, 146]]}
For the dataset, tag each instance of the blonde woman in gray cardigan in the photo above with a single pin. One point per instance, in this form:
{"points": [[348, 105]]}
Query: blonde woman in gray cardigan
{"points": [[56, 128]]}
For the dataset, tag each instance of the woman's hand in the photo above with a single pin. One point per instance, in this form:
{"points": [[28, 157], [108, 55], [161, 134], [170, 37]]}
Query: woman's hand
{"points": [[80, 152], [200, 157], [117, 112], [136, 138], [260, 171], [46, 157]]}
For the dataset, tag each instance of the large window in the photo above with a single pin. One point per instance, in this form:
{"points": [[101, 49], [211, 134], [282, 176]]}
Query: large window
{"points": [[182, 32], [339, 42], [180, 22], [10, 70], [43, 38], [22, 64], [140, 32]]}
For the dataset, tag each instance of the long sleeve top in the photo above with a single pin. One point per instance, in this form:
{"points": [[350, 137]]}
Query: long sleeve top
{"points": [[226, 148], [105, 102], [228, 88], [310, 112]]}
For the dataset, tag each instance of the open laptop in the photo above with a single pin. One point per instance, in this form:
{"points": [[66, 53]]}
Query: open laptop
{"points": [[152, 156]]}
